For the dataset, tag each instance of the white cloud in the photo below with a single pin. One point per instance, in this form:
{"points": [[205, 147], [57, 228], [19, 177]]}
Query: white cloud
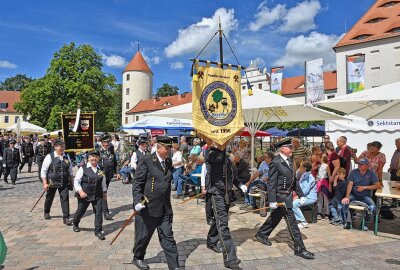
{"points": [[296, 19], [7, 64], [258, 62], [303, 48], [195, 36], [151, 60], [301, 17], [266, 16], [176, 65], [114, 61]]}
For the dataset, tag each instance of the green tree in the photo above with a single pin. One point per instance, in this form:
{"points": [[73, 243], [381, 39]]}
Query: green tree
{"points": [[74, 77], [217, 97], [15, 83], [167, 90], [291, 125]]}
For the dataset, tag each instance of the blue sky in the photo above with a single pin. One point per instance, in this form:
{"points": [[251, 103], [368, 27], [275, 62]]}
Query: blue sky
{"points": [[270, 32]]}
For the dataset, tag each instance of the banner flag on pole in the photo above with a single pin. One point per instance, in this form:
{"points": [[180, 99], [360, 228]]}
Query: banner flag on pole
{"points": [[314, 81], [217, 105], [83, 138], [276, 80], [355, 73]]}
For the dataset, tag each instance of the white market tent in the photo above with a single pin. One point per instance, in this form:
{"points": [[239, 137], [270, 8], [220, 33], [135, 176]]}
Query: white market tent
{"points": [[26, 127], [381, 102]]}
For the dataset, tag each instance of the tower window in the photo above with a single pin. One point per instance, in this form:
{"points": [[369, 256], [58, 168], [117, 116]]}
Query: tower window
{"points": [[6, 119], [126, 120], [137, 117], [376, 20], [361, 37], [128, 77], [16, 119], [243, 87], [127, 106], [260, 86], [127, 91]]}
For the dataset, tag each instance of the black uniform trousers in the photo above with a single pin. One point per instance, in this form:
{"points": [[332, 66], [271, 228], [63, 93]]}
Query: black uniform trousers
{"points": [[40, 163], [219, 230], [64, 200], [12, 171], [109, 175], [273, 220], [97, 210], [144, 229], [28, 160]]}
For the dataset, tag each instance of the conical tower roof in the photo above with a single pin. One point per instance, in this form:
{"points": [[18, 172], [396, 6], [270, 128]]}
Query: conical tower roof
{"points": [[138, 64]]}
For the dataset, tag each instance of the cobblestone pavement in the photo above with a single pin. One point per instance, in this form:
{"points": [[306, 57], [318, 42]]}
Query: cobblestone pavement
{"points": [[35, 243]]}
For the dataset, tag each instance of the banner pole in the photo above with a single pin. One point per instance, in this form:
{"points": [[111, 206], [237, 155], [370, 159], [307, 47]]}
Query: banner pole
{"points": [[221, 53]]}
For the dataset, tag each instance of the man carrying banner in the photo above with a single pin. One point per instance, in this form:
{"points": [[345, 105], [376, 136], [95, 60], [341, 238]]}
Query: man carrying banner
{"points": [[108, 164], [153, 180], [57, 170]]}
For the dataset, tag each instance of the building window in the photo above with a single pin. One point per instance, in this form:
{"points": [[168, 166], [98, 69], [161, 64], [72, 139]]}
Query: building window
{"points": [[243, 87], [126, 120], [16, 119], [128, 77], [127, 91], [397, 48], [127, 106], [375, 68], [397, 65], [374, 86], [362, 37], [137, 118], [375, 52], [390, 4], [6, 119], [394, 30], [330, 96], [375, 20], [260, 86]]}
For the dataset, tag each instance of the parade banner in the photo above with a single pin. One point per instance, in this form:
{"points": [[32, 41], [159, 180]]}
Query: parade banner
{"points": [[217, 105], [355, 73], [315, 81], [83, 138], [276, 80]]}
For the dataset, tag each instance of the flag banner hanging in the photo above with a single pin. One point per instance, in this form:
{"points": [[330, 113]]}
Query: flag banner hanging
{"points": [[276, 80], [83, 138], [315, 81], [355, 73], [217, 105]]}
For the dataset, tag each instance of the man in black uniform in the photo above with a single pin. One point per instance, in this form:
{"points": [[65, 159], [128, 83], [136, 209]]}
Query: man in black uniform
{"points": [[139, 153], [219, 181], [42, 150], [281, 185], [108, 164], [11, 159], [153, 180], [57, 170], [1, 153], [27, 154]]}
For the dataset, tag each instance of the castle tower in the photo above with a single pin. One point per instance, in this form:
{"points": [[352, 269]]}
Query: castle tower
{"points": [[137, 85]]}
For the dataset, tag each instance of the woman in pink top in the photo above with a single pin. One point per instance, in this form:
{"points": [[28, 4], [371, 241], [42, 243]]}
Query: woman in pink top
{"points": [[376, 158]]}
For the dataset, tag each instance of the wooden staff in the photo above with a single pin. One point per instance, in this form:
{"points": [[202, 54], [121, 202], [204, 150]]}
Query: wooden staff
{"points": [[191, 198], [259, 209], [145, 200], [50, 184]]}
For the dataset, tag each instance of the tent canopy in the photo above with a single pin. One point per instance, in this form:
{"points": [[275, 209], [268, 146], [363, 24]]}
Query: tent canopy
{"points": [[259, 133], [381, 102], [312, 131], [166, 123], [26, 127], [276, 132]]}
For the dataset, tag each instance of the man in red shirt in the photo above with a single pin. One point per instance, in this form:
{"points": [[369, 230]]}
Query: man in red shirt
{"points": [[344, 152]]}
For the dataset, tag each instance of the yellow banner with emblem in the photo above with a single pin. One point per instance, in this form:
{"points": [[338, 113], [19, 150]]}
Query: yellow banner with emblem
{"points": [[217, 104]]}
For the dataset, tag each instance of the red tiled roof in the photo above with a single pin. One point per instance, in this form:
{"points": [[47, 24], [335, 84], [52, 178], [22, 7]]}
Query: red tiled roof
{"points": [[138, 64], [161, 103], [10, 97], [388, 18], [291, 86]]}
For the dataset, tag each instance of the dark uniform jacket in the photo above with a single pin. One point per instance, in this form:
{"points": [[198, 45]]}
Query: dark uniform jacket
{"points": [[27, 149], [92, 183], [152, 181], [42, 151], [108, 160], [11, 157], [58, 171], [281, 182]]}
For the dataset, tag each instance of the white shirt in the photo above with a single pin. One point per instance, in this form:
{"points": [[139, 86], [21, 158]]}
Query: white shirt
{"points": [[177, 157], [285, 158], [322, 171], [116, 145], [153, 148], [159, 158], [79, 175], [47, 162], [203, 175], [134, 159]]}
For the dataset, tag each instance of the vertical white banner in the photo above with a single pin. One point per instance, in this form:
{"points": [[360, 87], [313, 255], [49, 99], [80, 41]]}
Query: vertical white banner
{"points": [[355, 73], [276, 80], [314, 81]]}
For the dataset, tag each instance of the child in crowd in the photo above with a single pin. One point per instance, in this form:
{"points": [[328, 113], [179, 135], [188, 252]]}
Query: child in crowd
{"points": [[335, 206], [323, 188]]}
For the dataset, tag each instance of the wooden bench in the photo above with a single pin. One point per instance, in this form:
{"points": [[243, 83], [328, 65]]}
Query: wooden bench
{"points": [[357, 208]]}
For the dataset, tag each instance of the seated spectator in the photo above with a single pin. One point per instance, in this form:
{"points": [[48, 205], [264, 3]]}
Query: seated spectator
{"points": [[339, 213], [362, 182], [262, 177], [242, 168], [309, 187], [126, 170], [196, 149], [189, 178]]}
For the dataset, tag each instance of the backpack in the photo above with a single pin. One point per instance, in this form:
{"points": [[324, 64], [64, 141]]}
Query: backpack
{"points": [[386, 212]]}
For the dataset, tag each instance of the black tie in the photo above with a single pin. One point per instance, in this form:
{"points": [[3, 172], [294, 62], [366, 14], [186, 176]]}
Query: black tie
{"points": [[163, 165], [289, 162]]}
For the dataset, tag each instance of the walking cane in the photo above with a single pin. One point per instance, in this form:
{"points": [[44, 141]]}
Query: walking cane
{"points": [[191, 198], [145, 200], [50, 184], [259, 209]]}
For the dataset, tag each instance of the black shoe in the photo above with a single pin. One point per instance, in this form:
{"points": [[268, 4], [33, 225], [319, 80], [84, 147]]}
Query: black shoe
{"points": [[5, 181], [305, 254], [20, 170], [100, 235], [13, 183], [233, 264], [67, 221], [177, 196], [76, 228], [262, 240], [29, 170], [47, 216], [216, 248], [107, 216], [141, 264]]}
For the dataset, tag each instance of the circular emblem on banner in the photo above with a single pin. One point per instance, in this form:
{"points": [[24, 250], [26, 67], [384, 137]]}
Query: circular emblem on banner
{"points": [[370, 123], [218, 104]]}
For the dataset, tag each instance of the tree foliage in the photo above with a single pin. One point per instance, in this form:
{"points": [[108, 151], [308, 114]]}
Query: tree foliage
{"points": [[291, 125], [217, 97], [167, 90], [74, 76], [15, 83]]}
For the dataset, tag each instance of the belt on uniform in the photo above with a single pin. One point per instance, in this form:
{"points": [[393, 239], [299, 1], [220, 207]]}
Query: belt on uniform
{"points": [[284, 191]]}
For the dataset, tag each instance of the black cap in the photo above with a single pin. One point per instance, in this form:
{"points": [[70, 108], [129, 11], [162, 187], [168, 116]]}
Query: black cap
{"points": [[105, 137], [12, 141], [59, 142], [94, 152], [42, 139], [140, 141], [289, 145], [165, 140]]}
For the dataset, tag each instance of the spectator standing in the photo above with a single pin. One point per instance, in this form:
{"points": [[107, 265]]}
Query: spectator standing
{"points": [[315, 160], [345, 153], [177, 163], [299, 150], [243, 151], [333, 163], [323, 188], [394, 168], [117, 145], [184, 147]]}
